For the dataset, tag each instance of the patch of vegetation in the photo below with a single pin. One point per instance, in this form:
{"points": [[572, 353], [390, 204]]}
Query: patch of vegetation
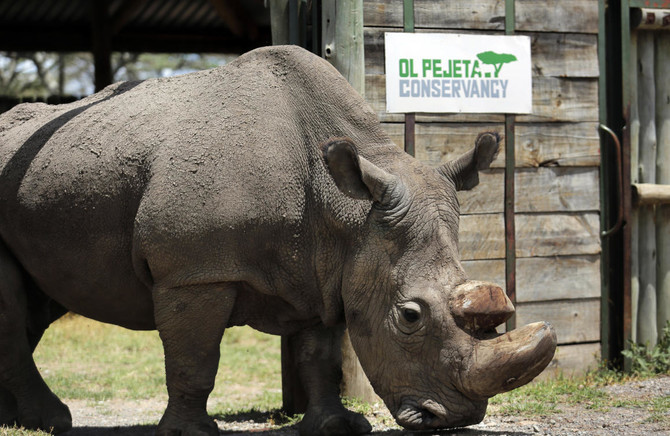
{"points": [[544, 397], [5, 431], [647, 360]]}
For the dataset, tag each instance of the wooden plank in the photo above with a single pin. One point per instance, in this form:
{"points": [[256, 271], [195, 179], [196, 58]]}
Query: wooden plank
{"points": [[437, 143], [572, 360], [543, 278], [553, 189], [574, 320], [460, 14], [564, 54], [563, 99], [557, 234], [455, 14], [382, 13], [564, 144], [538, 235], [557, 189], [578, 16], [488, 270], [552, 54], [481, 237], [554, 99], [557, 278]]}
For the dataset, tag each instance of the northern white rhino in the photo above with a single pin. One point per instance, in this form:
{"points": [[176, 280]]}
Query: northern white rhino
{"points": [[264, 193]]}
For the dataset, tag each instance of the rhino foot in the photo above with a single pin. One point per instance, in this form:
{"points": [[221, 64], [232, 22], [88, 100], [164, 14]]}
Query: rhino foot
{"points": [[333, 423], [48, 414], [8, 410], [172, 426]]}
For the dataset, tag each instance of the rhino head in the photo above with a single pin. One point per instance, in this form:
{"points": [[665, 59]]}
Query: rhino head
{"points": [[425, 334]]}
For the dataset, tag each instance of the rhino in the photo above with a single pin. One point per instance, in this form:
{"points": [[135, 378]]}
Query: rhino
{"points": [[261, 193]]}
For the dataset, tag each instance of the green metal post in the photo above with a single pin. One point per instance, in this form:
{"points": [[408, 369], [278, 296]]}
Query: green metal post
{"points": [[510, 232]]}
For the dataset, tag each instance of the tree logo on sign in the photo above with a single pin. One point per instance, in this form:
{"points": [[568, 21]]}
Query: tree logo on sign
{"points": [[496, 59]]}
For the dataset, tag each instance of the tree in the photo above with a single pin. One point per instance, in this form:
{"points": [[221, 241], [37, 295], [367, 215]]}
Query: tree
{"points": [[496, 59], [41, 74]]}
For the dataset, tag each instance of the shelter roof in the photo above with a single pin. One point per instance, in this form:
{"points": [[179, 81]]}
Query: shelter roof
{"points": [[188, 26]]}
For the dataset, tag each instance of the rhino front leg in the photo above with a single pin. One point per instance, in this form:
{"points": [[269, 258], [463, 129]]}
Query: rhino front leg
{"points": [[191, 321], [319, 359]]}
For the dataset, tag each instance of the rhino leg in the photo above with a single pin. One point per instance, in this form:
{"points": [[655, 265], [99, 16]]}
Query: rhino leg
{"points": [[25, 312], [319, 359], [191, 321]]}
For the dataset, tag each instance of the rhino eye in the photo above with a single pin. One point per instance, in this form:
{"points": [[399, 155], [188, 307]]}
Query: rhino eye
{"points": [[410, 315]]}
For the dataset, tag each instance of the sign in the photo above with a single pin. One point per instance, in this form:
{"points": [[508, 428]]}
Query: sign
{"points": [[430, 72]]}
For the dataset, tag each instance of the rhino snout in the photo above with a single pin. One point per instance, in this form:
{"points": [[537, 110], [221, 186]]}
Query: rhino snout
{"points": [[428, 414]]}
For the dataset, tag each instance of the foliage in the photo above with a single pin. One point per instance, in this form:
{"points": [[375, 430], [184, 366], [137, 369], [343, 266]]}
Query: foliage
{"points": [[41, 74], [651, 360]]}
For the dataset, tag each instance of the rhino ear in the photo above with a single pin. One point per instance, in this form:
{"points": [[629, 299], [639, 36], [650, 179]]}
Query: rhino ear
{"points": [[354, 175], [464, 171]]}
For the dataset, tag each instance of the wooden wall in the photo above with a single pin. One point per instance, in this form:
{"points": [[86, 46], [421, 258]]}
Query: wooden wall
{"points": [[557, 160]]}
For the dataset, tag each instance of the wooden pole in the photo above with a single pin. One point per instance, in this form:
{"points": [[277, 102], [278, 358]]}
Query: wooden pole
{"points": [[294, 398], [663, 177], [102, 44], [510, 169], [343, 47], [342, 37], [647, 332], [649, 194], [635, 178], [279, 21]]}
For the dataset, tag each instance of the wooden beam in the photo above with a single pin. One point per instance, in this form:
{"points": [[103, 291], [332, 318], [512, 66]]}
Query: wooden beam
{"points": [[236, 18], [126, 12], [102, 44], [647, 194]]}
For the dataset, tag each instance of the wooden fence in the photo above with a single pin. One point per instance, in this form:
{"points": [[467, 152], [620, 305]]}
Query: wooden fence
{"points": [[649, 123], [557, 149]]}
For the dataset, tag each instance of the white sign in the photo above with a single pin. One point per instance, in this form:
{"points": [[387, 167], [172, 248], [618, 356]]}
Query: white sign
{"points": [[430, 72]]}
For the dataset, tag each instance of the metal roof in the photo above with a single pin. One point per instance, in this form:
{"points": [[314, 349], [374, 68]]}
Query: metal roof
{"points": [[222, 26]]}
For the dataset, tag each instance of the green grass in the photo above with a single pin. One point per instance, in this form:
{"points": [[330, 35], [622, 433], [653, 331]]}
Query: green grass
{"points": [[84, 359], [87, 360], [545, 397]]}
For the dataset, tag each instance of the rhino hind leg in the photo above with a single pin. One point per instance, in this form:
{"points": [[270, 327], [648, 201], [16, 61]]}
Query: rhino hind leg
{"points": [[319, 360], [25, 312], [191, 321]]}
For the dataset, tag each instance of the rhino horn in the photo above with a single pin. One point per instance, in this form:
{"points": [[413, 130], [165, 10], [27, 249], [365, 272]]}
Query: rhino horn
{"points": [[505, 362], [480, 306]]}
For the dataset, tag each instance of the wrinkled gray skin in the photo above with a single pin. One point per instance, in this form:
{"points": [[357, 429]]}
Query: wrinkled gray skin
{"points": [[262, 193]]}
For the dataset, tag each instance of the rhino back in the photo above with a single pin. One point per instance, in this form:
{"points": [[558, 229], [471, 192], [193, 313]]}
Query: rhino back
{"points": [[214, 174]]}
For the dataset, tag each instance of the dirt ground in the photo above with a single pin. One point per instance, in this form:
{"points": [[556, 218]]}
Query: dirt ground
{"points": [[112, 418]]}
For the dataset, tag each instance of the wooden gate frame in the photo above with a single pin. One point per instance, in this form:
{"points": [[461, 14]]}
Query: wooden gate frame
{"points": [[615, 36]]}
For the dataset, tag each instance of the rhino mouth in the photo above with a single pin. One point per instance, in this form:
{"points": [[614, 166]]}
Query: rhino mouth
{"points": [[430, 415]]}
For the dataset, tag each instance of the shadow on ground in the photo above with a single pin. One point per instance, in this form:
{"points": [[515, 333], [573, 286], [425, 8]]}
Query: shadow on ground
{"points": [[148, 430]]}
